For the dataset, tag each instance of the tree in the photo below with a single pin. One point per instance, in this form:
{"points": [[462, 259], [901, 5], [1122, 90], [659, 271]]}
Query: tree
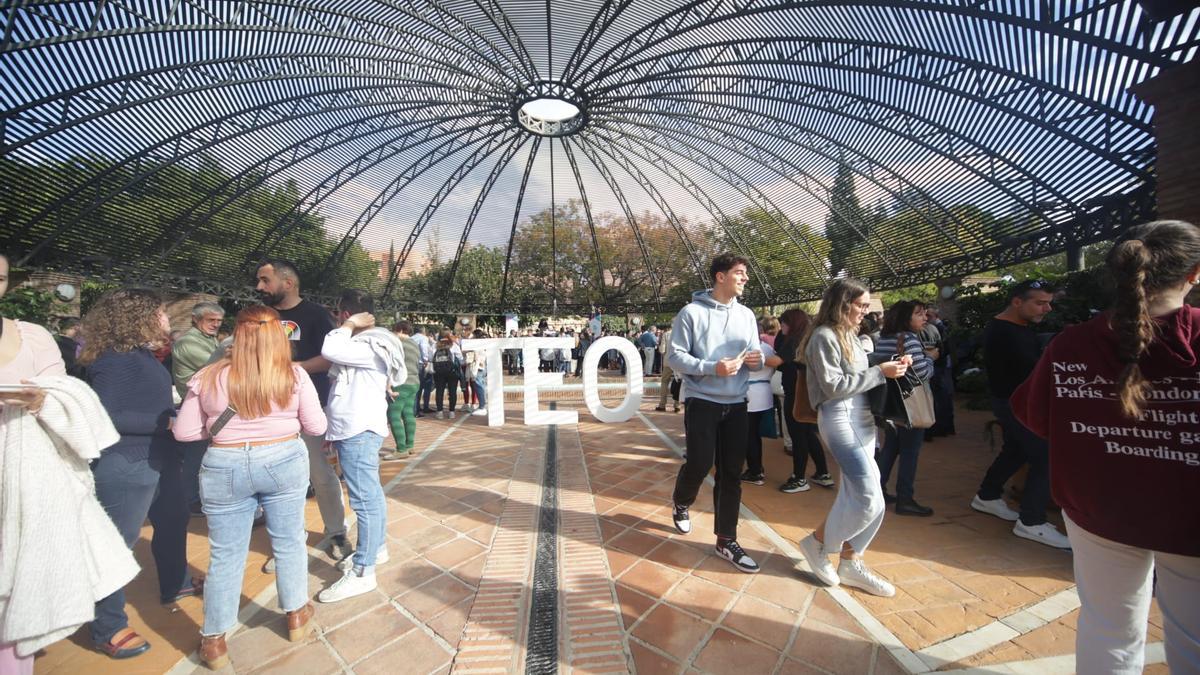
{"points": [[845, 226]]}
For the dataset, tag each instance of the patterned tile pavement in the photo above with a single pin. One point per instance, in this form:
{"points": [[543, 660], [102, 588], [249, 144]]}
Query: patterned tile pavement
{"points": [[635, 596]]}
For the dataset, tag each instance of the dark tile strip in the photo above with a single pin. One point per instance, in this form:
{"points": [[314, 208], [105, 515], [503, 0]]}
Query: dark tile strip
{"points": [[542, 647]]}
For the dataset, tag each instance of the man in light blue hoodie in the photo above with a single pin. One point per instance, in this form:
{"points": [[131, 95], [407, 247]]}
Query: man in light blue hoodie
{"points": [[714, 345]]}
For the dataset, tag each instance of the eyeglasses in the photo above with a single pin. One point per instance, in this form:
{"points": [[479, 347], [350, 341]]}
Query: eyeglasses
{"points": [[1038, 283]]}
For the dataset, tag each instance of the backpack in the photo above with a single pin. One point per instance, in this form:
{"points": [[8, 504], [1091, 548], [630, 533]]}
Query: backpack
{"points": [[443, 361]]}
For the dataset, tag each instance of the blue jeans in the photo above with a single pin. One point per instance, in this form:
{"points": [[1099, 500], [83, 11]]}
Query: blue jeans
{"points": [[848, 429], [359, 457], [130, 490], [905, 444], [481, 388], [425, 391], [233, 483]]}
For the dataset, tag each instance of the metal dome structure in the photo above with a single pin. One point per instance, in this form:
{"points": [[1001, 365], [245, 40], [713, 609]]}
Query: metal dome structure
{"points": [[499, 154]]}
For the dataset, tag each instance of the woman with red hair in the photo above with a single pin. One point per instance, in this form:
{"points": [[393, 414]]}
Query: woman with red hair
{"points": [[252, 404]]}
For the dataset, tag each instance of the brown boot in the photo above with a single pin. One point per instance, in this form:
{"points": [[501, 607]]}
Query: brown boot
{"points": [[299, 622], [213, 651]]}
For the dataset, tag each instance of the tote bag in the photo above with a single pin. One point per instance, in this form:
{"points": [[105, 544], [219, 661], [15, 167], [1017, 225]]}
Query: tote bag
{"points": [[802, 410], [903, 401]]}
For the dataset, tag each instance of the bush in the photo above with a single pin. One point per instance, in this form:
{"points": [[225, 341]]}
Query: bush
{"points": [[27, 304]]}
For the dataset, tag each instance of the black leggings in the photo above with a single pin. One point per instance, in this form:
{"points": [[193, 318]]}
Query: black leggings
{"points": [[805, 442], [443, 382]]}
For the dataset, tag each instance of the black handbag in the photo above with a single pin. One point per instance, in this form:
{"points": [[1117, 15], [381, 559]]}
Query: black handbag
{"points": [[887, 400]]}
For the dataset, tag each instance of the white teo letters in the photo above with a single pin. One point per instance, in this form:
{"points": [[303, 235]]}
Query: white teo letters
{"points": [[530, 346]]}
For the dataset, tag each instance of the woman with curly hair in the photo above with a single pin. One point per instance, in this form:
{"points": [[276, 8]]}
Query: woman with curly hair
{"points": [[142, 474]]}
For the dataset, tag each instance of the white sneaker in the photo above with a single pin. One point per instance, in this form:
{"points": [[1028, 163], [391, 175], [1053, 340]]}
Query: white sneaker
{"points": [[1043, 534], [995, 507], [350, 585], [818, 560], [855, 573], [683, 521], [441, 415], [381, 557], [450, 415], [467, 409], [480, 412]]}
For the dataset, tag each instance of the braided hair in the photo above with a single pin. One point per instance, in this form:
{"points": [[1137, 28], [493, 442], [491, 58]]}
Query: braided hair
{"points": [[1145, 261]]}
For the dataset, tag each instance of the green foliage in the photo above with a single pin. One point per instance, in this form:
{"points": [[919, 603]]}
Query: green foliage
{"points": [[766, 238], [926, 293], [846, 226], [171, 214], [27, 304]]}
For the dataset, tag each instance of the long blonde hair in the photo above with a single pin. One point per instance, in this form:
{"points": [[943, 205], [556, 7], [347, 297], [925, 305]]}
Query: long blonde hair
{"points": [[259, 363], [835, 313]]}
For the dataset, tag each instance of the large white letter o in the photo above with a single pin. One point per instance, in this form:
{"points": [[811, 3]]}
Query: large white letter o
{"points": [[633, 379]]}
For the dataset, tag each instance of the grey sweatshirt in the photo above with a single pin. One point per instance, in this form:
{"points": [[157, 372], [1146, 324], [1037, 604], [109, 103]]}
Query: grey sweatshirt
{"points": [[830, 376], [703, 333]]}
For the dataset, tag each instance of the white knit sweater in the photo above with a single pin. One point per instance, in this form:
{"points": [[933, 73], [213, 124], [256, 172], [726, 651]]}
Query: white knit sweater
{"points": [[61, 552]]}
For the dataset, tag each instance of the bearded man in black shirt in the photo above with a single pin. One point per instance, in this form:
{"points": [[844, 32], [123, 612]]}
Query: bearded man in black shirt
{"points": [[1011, 348], [306, 324]]}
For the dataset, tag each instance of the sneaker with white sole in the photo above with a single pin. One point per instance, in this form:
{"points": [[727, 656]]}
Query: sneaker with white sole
{"points": [[1043, 534], [450, 415], [440, 415], [683, 521], [479, 412], [822, 479], [855, 573], [995, 507], [818, 560], [733, 552], [353, 582], [794, 485], [381, 557]]}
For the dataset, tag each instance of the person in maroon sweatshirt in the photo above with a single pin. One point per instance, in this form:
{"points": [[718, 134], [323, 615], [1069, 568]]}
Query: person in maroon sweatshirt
{"points": [[1118, 398]]}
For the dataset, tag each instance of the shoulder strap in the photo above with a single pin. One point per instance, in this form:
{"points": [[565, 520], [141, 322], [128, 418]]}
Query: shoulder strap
{"points": [[222, 421]]}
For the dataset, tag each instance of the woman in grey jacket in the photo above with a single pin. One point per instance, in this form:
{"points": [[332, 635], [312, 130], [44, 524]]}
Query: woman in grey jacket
{"points": [[839, 378]]}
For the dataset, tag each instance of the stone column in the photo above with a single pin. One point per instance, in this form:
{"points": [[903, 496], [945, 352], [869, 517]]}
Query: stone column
{"points": [[1175, 95]]}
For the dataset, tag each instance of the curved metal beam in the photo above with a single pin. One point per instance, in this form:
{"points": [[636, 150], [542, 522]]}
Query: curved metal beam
{"points": [[460, 172], [745, 187], [587, 211], [585, 146], [259, 177], [488, 184], [836, 64], [199, 139], [401, 181], [512, 236]]}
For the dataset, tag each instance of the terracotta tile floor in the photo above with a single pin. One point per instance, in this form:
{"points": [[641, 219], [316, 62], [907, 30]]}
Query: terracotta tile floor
{"points": [[635, 595]]}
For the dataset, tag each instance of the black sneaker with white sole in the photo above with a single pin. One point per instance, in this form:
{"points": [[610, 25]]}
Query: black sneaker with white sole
{"points": [[753, 478], [824, 480], [794, 485], [683, 521], [731, 551]]}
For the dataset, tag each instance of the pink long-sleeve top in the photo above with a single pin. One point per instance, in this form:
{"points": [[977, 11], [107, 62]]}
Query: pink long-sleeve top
{"points": [[202, 407]]}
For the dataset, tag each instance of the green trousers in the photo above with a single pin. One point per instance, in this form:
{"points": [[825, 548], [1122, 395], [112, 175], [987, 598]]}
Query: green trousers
{"points": [[400, 416]]}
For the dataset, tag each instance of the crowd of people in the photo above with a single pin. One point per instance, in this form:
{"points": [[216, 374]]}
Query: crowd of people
{"points": [[130, 424], [1109, 402]]}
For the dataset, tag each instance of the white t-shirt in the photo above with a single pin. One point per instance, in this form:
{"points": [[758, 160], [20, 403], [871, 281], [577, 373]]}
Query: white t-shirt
{"points": [[759, 396]]}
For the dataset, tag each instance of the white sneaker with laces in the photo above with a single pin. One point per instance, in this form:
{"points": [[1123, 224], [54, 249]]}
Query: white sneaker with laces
{"points": [[818, 560], [350, 585], [995, 507], [480, 412], [1043, 534], [450, 415], [440, 415], [381, 557], [855, 573]]}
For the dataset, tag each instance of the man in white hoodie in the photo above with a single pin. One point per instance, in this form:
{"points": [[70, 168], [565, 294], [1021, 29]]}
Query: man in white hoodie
{"points": [[367, 363]]}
